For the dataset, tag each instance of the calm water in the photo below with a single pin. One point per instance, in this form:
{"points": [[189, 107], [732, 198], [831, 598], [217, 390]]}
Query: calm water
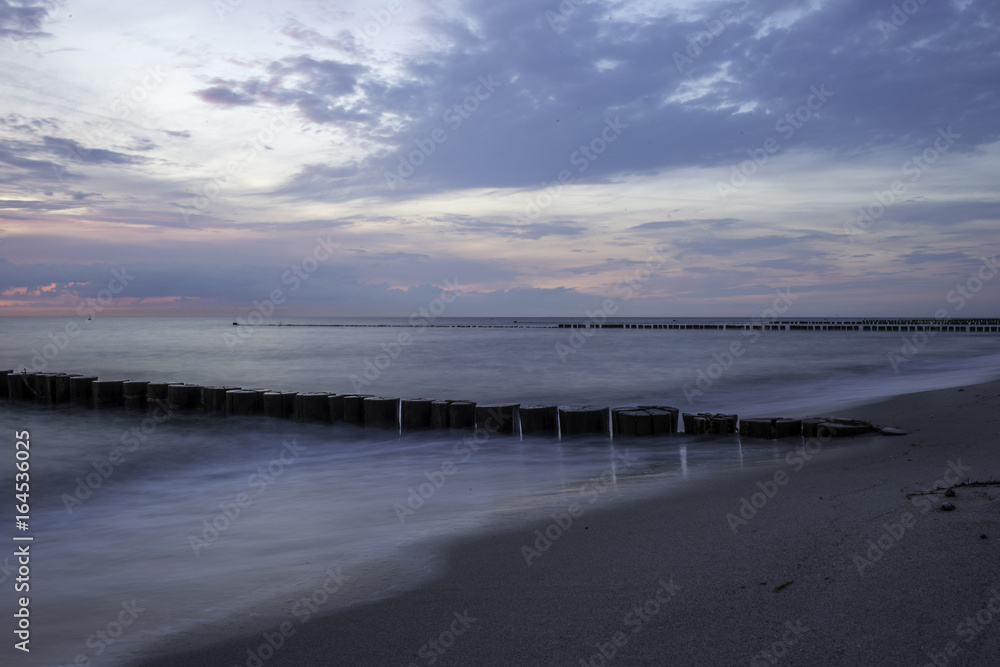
{"points": [[225, 525]]}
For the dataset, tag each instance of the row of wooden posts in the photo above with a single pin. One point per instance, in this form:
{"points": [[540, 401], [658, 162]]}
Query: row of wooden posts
{"points": [[90, 392]]}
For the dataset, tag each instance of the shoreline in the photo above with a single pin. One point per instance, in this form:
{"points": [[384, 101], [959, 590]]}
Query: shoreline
{"points": [[673, 579]]}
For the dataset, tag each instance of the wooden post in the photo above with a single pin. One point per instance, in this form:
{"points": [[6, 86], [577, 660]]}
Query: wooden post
{"points": [[44, 388], [134, 395], [382, 413], [354, 409], [336, 402], [21, 386], [184, 397], [61, 390], [243, 403], [109, 394], [81, 391], [539, 419], [462, 416], [787, 428], [213, 400], [313, 407], [585, 420], [441, 414], [756, 428], [497, 417], [279, 404], [416, 414]]}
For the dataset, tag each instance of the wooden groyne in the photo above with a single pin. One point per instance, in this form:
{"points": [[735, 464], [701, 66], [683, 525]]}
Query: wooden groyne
{"points": [[86, 392], [980, 325]]}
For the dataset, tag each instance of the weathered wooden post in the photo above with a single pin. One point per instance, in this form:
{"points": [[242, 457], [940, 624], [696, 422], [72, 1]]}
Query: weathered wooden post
{"points": [[109, 394], [630, 421], [134, 396], [21, 386], [4, 391], [539, 419], [756, 428], [81, 391], [787, 428], [61, 388], [381, 413], [462, 416], [214, 401], [279, 404], [184, 397], [497, 417], [354, 409], [415, 414], [584, 420], [243, 403], [441, 414], [313, 407], [44, 388]]}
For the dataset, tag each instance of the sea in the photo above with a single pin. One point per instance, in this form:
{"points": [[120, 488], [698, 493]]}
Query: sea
{"points": [[161, 532]]}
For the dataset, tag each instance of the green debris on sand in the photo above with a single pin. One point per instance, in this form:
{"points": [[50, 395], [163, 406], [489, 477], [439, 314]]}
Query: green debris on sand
{"points": [[779, 587]]}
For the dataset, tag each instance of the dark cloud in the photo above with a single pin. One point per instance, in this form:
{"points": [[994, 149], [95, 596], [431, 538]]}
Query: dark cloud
{"points": [[556, 89], [72, 151], [921, 257], [672, 224], [23, 19], [224, 96]]}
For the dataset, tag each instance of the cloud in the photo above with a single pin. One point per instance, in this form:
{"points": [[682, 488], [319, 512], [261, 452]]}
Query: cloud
{"points": [[533, 230], [224, 96], [672, 224], [23, 20]]}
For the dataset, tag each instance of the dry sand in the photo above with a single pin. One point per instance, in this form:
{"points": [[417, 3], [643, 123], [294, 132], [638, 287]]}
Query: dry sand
{"points": [[930, 594]]}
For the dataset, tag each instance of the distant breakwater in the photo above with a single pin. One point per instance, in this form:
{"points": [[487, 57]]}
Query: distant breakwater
{"points": [[86, 392], [980, 325]]}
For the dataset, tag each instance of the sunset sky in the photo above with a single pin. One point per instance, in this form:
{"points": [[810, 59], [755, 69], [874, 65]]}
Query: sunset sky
{"points": [[682, 158]]}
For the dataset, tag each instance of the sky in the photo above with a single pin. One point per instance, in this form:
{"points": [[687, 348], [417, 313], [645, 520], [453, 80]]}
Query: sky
{"points": [[532, 158]]}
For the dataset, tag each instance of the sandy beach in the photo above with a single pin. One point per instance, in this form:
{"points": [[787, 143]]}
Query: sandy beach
{"points": [[817, 558]]}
